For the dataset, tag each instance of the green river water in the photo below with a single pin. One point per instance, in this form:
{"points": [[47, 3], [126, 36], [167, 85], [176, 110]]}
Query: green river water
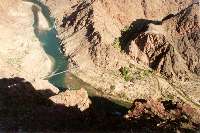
{"points": [[51, 45]]}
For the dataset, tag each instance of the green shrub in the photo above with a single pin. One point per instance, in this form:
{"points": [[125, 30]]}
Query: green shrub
{"points": [[122, 95], [126, 73], [145, 73], [112, 87], [116, 44], [120, 43], [125, 29]]}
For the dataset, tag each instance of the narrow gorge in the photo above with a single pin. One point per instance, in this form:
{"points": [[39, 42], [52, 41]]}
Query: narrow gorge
{"points": [[100, 65], [51, 44]]}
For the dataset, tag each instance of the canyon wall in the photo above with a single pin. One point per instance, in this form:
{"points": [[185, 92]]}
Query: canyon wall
{"points": [[131, 50], [102, 36]]}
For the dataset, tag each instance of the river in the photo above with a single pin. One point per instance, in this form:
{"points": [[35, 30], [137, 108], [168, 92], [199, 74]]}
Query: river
{"points": [[51, 45]]}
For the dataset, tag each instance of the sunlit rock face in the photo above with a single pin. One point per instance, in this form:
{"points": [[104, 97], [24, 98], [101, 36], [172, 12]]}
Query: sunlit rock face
{"points": [[73, 98], [21, 52], [98, 22], [173, 47], [7, 4]]}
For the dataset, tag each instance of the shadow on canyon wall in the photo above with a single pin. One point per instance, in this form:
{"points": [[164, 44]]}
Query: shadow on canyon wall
{"points": [[136, 27], [22, 108]]}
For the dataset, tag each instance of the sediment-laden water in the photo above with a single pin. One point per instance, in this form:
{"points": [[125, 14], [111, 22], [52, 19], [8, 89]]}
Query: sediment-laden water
{"points": [[51, 44]]}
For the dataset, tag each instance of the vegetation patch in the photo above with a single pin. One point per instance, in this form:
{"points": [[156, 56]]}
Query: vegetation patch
{"points": [[112, 87], [14, 61], [129, 75], [126, 73], [116, 44], [145, 73]]}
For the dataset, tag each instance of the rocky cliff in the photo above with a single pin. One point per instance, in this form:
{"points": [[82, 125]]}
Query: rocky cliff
{"points": [[133, 49], [171, 45]]}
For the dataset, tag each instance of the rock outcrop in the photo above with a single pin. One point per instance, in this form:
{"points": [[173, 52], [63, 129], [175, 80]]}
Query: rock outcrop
{"points": [[164, 114], [171, 47], [73, 98]]}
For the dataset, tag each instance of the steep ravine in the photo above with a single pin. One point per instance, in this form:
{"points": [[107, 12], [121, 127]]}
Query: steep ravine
{"points": [[51, 45], [69, 77], [90, 31]]}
